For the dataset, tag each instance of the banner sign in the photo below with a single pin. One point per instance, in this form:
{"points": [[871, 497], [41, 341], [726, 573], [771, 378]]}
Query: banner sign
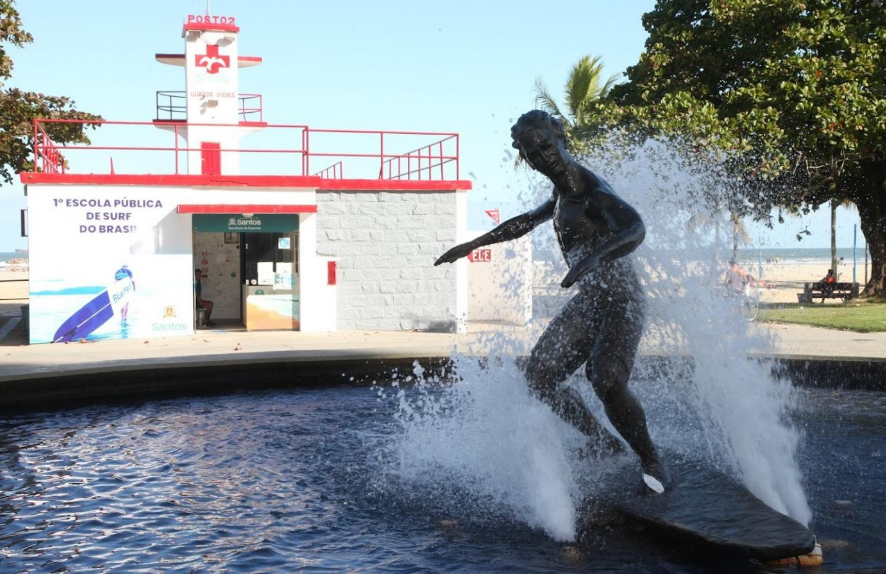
{"points": [[108, 263], [217, 223]]}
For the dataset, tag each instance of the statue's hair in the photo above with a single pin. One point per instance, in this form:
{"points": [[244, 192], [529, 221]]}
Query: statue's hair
{"points": [[539, 119]]}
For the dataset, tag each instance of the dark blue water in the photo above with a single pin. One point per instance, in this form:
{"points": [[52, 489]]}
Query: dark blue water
{"points": [[302, 480]]}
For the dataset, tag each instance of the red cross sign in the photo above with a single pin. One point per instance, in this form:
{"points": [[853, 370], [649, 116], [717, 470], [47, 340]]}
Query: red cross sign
{"points": [[212, 61]]}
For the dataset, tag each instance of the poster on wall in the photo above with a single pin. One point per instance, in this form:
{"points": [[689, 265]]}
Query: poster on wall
{"points": [[108, 265]]}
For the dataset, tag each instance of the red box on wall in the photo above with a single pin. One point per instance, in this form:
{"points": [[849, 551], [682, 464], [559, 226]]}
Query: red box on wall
{"points": [[330, 273]]}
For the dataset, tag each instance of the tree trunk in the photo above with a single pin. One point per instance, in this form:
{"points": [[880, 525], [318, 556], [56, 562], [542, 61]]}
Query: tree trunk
{"points": [[871, 203], [834, 236], [734, 245]]}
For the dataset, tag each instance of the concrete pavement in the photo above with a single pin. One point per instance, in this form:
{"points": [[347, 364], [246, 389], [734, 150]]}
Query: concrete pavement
{"points": [[96, 369], [239, 347]]}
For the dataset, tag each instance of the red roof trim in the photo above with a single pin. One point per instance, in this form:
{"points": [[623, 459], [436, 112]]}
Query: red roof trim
{"points": [[211, 26], [261, 209], [310, 182], [250, 58], [392, 185], [290, 181]]}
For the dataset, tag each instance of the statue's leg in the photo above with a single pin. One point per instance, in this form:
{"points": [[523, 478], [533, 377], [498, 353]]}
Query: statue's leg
{"points": [[561, 350], [609, 369]]}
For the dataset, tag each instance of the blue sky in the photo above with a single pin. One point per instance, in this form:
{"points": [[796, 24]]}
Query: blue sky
{"points": [[459, 66]]}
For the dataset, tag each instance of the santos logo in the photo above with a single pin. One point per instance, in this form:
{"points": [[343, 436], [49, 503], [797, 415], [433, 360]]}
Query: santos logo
{"points": [[169, 327], [235, 222]]}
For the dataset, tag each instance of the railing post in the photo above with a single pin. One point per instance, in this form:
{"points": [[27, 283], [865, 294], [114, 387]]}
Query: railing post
{"points": [[36, 143], [457, 159], [381, 168], [440, 146], [307, 133], [176, 148]]}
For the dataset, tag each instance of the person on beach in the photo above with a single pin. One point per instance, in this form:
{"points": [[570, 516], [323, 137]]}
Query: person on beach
{"points": [[737, 278], [601, 326], [201, 302]]}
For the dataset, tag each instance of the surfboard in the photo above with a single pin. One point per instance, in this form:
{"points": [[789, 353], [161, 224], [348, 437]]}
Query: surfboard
{"points": [[112, 301], [707, 511]]}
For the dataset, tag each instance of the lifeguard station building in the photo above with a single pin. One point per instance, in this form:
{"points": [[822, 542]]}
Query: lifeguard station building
{"points": [[293, 227]]}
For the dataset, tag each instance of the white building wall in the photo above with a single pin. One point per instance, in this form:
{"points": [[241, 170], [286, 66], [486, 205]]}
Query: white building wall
{"points": [[386, 244], [318, 300], [70, 265]]}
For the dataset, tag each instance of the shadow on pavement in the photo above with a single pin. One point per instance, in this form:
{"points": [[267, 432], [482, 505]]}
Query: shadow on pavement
{"points": [[14, 338]]}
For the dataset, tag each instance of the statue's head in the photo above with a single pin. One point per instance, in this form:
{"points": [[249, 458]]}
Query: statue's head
{"points": [[540, 139]]}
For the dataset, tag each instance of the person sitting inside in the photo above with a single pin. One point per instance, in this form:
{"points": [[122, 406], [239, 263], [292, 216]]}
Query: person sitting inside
{"points": [[201, 302], [737, 278]]}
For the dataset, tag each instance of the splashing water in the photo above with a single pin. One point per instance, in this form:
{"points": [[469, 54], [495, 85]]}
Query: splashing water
{"points": [[487, 434]]}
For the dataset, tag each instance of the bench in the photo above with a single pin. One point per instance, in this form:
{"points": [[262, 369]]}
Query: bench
{"points": [[844, 291]]}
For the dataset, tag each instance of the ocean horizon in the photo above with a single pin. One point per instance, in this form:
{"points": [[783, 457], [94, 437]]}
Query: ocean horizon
{"points": [[7, 255], [799, 254]]}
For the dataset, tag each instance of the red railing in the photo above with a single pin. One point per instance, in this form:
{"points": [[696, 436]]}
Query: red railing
{"points": [[419, 157], [334, 171], [438, 160], [172, 107], [46, 155]]}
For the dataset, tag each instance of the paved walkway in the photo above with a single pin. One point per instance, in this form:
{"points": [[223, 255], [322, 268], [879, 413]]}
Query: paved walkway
{"points": [[802, 341], [210, 348]]}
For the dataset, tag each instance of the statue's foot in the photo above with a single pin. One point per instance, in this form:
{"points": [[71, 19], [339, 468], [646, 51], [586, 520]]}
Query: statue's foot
{"points": [[656, 479]]}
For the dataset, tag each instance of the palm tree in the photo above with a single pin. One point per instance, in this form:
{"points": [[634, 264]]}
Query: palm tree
{"points": [[583, 89]]}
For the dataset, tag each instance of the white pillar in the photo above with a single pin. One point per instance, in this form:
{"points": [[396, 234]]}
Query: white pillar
{"points": [[461, 266], [317, 299]]}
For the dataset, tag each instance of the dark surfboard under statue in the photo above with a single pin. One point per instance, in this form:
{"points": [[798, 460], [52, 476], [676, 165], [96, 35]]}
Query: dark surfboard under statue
{"points": [[708, 512]]}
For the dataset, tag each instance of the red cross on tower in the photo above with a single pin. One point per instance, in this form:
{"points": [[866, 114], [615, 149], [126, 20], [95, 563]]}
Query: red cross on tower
{"points": [[212, 61]]}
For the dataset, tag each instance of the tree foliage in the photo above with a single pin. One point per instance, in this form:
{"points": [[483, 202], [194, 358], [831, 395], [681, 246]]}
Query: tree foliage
{"points": [[19, 109], [792, 93]]}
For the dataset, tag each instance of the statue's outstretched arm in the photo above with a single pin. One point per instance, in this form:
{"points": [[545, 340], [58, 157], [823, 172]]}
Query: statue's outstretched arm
{"points": [[628, 233], [510, 229]]}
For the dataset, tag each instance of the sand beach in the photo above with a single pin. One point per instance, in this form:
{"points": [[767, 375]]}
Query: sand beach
{"points": [[13, 291], [782, 280]]}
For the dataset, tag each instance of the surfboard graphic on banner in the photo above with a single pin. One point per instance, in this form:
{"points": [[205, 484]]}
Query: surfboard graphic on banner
{"points": [[110, 303]]}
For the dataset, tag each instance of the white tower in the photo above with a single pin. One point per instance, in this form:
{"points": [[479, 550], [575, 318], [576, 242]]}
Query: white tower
{"points": [[211, 114]]}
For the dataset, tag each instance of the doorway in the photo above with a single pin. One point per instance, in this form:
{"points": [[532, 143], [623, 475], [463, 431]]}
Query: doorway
{"points": [[251, 262]]}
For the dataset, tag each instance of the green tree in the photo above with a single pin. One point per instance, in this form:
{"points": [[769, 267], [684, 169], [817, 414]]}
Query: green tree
{"points": [[584, 88], [19, 109], [791, 93]]}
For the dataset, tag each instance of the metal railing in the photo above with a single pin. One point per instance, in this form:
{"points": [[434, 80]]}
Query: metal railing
{"points": [[172, 106], [334, 171], [419, 157], [438, 161]]}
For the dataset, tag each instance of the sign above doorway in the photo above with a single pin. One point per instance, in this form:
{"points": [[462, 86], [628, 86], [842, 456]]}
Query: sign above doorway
{"points": [[238, 223]]}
